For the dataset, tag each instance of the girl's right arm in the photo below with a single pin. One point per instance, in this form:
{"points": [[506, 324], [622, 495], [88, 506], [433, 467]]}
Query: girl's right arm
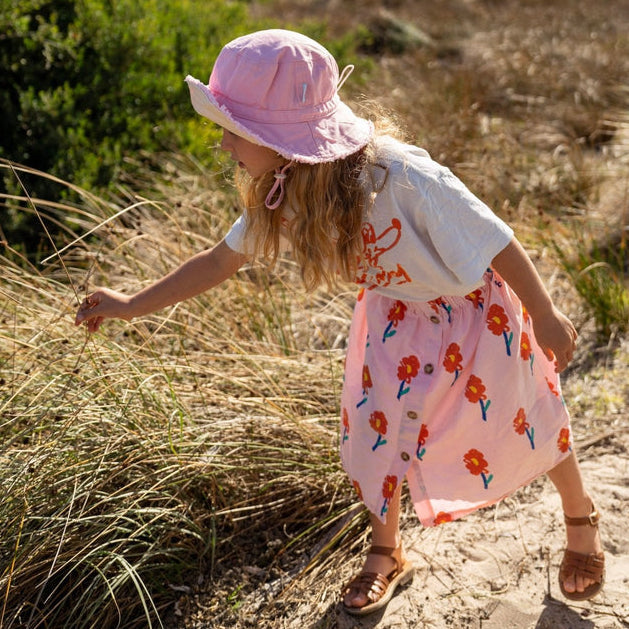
{"points": [[201, 272]]}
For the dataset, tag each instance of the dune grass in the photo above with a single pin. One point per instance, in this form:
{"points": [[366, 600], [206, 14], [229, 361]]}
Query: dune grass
{"points": [[133, 460]]}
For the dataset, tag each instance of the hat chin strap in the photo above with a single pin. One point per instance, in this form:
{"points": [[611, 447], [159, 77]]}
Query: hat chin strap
{"points": [[277, 190]]}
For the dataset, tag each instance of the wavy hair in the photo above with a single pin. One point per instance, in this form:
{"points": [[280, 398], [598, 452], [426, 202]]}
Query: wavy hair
{"points": [[325, 205]]}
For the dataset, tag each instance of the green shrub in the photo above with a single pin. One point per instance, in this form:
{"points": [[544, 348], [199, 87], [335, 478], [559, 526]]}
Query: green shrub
{"points": [[86, 83], [598, 272]]}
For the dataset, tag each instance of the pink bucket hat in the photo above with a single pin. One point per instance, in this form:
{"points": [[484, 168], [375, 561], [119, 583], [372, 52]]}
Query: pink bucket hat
{"points": [[279, 89]]}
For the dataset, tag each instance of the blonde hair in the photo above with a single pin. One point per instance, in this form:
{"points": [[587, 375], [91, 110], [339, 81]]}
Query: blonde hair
{"points": [[325, 205]]}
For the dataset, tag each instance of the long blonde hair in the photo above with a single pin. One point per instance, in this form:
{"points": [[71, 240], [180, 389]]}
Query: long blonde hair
{"points": [[325, 205]]}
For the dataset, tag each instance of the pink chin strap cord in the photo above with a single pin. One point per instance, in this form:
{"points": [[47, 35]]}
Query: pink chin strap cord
{"points": [[278, 188]]}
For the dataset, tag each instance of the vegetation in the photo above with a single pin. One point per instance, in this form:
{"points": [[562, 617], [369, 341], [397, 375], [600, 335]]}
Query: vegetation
{"points": [[128, 460], [200, 443], [87, 84]]}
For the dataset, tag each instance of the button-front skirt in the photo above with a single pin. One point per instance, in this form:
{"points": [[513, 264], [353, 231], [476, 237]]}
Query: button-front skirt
{"points": [[453, 394]]}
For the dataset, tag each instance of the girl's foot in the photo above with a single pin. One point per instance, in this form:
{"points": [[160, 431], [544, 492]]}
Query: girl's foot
{"points": [[384, 569], [582, 570]]}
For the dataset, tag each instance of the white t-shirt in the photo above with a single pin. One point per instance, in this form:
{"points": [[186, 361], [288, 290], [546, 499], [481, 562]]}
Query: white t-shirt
{"points": [[425, 235]]}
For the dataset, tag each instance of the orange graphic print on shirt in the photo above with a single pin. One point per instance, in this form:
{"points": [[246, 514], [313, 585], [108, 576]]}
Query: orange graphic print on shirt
{"points": [[370, 270]]}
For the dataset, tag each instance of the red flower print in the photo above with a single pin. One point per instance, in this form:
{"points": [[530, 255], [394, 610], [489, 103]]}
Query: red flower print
{"points": [[388, 489], [475, 389], [438, 303], [525, 347], [476, 298], [552, 388], [497, 320], [519, 423], [378, 422], [442, 518], [421, 442], [361, 294], [477, 465], [367, 384], [475, 462], [453, 359], [525, 315], [521, 426], [389, 486], [396, 314], [406, 371], [345, 419], [498, 323], [563, 443], [475, 393], [408, 368]]}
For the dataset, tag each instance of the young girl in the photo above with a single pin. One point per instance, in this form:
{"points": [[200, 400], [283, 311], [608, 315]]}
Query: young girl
{"points": [[454, 349]]}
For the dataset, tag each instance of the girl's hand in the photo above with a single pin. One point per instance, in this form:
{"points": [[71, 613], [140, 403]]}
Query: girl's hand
{"points": [[103, 304], [557, 337]]}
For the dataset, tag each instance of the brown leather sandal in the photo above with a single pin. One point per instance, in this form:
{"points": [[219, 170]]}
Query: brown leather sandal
{"points": [[378, 588], [589, 566]]}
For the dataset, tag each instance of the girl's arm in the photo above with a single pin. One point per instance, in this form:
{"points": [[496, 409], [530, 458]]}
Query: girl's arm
{"points": [[554, 331], [201, 272]]}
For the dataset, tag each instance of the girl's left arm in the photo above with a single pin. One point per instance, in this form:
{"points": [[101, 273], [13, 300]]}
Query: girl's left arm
{"points": [[553, 330]]}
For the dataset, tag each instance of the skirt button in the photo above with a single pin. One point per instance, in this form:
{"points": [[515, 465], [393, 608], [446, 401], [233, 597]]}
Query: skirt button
{"points": [[411, 415], [435, 319], [428, 369], [405, 456]]}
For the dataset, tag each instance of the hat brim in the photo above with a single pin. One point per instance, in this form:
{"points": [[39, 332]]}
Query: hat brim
{"points": [[326, 139]]}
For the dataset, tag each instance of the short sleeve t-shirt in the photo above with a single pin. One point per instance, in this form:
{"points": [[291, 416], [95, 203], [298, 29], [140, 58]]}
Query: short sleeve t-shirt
{"points": [[424, 235]]}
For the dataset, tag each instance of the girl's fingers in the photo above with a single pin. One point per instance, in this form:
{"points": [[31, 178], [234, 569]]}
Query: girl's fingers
{"points": [[87, 305]]}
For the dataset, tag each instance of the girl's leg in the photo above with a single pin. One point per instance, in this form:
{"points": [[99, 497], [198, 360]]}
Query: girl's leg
{"points": [[381, 535], [576, 503]]}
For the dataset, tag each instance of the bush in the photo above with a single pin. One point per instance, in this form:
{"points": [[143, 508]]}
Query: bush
{"points": [[84, 83]]}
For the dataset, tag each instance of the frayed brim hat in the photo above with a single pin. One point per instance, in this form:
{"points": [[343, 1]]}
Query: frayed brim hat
{"points": [[279, 89]]}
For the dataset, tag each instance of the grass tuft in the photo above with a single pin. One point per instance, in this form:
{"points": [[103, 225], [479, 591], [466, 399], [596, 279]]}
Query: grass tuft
{"points": [[136, 459]]}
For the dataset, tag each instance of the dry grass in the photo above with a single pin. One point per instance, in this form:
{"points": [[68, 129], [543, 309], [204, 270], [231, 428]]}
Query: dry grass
{"points": [[183, 467], [136, 459]]}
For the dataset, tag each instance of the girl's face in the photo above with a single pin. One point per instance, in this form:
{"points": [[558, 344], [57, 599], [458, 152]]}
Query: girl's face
{"points": [[255, 159]]}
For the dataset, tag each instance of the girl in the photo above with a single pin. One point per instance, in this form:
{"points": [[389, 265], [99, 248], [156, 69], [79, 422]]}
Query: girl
{"points": [[451, 376]]}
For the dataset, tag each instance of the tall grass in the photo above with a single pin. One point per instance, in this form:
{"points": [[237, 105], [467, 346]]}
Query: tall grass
{"points": [[135, 459], [598, 272]]}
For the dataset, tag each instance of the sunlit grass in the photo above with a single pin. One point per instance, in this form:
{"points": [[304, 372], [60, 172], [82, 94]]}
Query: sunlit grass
{"points": [[132, 459]]}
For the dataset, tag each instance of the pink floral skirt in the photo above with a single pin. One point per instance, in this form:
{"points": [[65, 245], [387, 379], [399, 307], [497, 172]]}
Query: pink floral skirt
{"points": [[454, 395]]}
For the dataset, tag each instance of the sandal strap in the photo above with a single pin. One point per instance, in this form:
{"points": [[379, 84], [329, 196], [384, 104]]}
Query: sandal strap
{"points": [[590, 566], [589, 520], [394, 553], [373, 585]]}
